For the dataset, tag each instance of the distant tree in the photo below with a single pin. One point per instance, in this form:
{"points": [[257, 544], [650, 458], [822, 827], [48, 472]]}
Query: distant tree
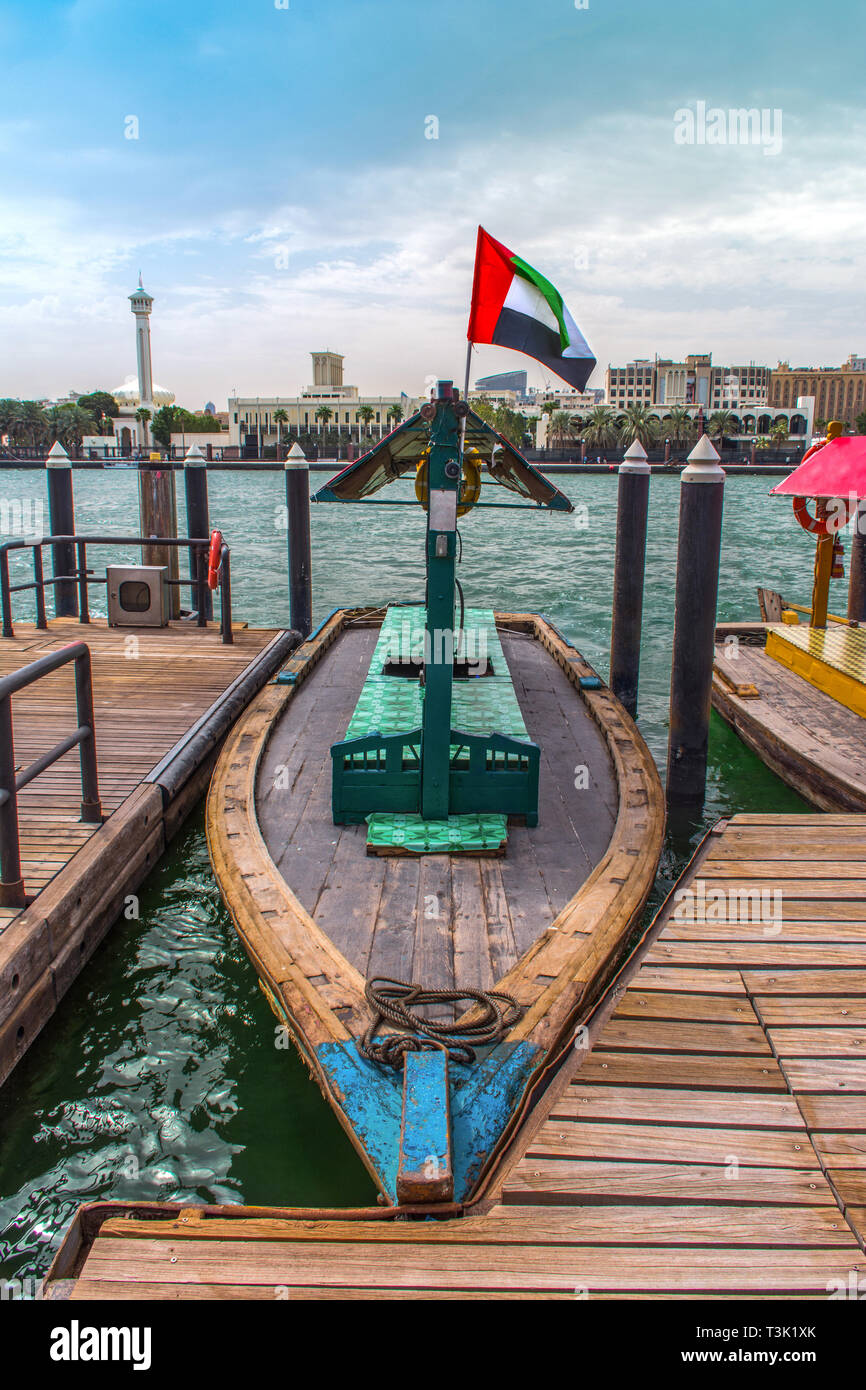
{"points": [[366, 413], [560, 426], [722, 423], [780, 431], [395, 414], [280, 418], [68, 424], [143, 415], [323, 414], [860, 422], [637, 423], [102, 407], [679, 424], [601, 428]]}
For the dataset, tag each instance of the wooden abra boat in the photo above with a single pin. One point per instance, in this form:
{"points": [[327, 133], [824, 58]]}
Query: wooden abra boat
{"points": [[795, 692], [485, 822]]}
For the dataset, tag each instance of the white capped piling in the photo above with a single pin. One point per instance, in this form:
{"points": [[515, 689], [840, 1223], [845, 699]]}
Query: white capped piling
{"points": [[628, 575], [61, 515], [298, 531], [197, 524], [702, 493]]}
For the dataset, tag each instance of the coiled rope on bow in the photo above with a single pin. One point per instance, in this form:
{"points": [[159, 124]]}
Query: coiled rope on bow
{"points": [[394, 1001]]}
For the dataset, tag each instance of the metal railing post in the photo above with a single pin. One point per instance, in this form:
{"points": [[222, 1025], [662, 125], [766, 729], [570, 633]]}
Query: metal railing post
{"points": [[91, 807], [11, 883], [39, 578], [204, 602], [5, 595], [83, 600], [226, 595]]}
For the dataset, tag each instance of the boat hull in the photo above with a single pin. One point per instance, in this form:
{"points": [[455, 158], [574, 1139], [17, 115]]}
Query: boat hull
{"points": [[316, 984]]}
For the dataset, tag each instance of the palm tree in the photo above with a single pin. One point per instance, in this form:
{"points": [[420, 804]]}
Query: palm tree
{"points": [[365, 413], [31, 418], [680, 424], [600, 429], [560, 425], [323, 414], [395, 413], [638, 424], [578, 424], [780, 431], [280, 418], [722, 423], [142, 415]]}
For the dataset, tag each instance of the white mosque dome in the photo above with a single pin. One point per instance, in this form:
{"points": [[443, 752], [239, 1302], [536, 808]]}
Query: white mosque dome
{"points": [[128, 394]]}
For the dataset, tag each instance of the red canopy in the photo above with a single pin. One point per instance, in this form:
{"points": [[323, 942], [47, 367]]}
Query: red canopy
{"points": [[836, 470]]}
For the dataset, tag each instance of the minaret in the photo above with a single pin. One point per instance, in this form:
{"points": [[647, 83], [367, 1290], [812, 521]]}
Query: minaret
{"points": [[142, 303]]}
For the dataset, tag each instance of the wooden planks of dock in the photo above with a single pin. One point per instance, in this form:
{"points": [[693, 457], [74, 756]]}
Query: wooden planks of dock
{"points": [[706, 1137], [151, 688]]}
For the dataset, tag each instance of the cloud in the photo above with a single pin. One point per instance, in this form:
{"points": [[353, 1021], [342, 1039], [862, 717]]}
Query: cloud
{"points": [[656, 248]]}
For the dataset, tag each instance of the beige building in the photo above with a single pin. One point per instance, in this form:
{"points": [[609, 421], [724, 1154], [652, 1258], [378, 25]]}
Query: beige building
{"points": [[839, 392], [661, 385], [326, 404]]}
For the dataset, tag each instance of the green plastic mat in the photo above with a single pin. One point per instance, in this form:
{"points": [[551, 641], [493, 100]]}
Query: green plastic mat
{"points": [[416, 836], [479, 705]]}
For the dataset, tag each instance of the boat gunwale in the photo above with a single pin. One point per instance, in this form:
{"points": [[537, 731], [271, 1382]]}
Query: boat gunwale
{"points": [[560, 974]]}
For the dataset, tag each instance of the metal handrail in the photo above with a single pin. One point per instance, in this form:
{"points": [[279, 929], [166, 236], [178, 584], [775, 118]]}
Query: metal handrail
{"points": [[83, 576], [12, 892]]}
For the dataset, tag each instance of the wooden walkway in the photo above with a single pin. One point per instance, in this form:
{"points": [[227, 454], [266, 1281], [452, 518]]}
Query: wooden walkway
{"points": [[150, 687], [706, 1137]]}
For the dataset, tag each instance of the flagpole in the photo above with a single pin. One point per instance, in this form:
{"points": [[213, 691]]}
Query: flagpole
{"points": [[466, 399]]}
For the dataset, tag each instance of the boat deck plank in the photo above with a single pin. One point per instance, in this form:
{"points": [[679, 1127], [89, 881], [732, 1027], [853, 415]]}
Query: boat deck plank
{"points": [[429, 899], [700, 1145]]}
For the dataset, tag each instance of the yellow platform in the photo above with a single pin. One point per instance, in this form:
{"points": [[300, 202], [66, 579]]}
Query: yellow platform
{"points": [[831, 659]]}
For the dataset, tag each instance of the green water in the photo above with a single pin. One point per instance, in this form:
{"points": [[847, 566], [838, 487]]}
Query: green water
{"points": [[158, 1078]]}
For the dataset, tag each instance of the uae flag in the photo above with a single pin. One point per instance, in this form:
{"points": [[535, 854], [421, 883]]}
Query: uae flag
{"points": [[514, 306]]}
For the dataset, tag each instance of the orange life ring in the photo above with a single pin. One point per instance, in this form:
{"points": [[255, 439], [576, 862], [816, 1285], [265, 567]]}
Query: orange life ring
{"points": [[815, 525], [823, 524], [214, 559]]}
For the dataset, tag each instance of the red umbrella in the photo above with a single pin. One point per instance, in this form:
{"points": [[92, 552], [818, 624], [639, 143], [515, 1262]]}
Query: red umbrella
{"points": [[837, 469]]}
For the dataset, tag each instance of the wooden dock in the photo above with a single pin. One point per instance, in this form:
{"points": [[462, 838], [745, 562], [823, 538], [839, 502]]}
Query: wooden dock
{"points": [[163, 701], [706, 1137]]}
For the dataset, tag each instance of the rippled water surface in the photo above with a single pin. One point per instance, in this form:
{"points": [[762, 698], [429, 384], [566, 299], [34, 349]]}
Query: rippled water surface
{"points": [[158, 1078]]}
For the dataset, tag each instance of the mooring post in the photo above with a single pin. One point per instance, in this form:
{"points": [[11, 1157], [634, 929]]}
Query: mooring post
{"points": [[197, 522], [298, 531], [702, 494], [61, 519], [628, 575], [857, 573], [157, 501]]}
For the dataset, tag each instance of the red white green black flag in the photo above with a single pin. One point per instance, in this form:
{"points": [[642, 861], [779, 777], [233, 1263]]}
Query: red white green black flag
{"points": [[515, 307]]}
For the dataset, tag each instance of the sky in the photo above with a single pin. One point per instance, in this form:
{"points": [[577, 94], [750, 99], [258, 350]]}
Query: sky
{"points": [[291, 175]]}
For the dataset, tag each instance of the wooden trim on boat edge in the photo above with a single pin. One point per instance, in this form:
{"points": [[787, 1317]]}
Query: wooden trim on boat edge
{"points": [[561, 973]]}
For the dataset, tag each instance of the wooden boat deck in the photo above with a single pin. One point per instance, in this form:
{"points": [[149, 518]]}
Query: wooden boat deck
{"points": [[809, 739], [705, 1139], [418, 917], [150, 687]]}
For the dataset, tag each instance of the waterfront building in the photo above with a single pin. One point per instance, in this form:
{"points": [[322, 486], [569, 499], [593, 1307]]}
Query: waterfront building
{"points": [[839, 392], [661, 385], [329, 404], [514, 382]]}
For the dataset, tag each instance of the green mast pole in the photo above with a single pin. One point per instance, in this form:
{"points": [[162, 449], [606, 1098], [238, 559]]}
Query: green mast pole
{"points": [[443, 476]]}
